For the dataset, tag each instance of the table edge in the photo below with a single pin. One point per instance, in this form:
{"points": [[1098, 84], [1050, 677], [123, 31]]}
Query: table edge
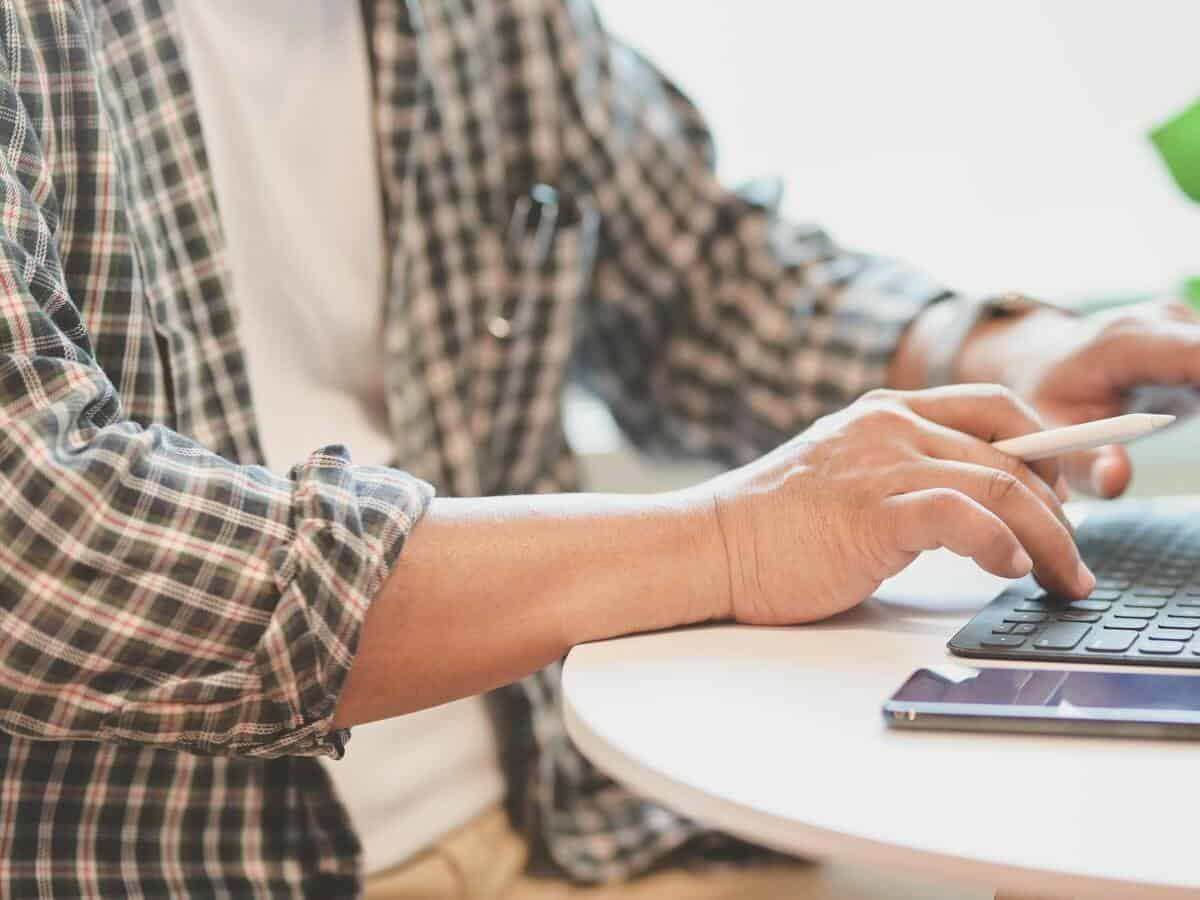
{"points": [[800, 838]]}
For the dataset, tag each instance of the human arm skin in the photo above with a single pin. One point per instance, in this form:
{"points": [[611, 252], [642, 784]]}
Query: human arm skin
{"points": [[490, 589]]}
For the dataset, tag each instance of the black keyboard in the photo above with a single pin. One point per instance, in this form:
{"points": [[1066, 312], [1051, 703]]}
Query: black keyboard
{"points": [[1145, 609]]}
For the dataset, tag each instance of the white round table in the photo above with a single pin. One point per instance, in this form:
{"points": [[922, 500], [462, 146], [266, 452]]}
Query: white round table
{"points": [[775, 735]]}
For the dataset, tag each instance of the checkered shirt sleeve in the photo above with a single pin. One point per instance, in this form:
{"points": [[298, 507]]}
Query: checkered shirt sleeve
{"points": [[716, 327], [151, 592]]}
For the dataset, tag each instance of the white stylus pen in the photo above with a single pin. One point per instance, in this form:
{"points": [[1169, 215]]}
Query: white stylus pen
{"points": [[1057, 441]]}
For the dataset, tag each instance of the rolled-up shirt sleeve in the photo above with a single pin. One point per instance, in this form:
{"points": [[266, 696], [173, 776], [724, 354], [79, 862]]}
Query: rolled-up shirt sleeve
{"points": [[152, 592]]}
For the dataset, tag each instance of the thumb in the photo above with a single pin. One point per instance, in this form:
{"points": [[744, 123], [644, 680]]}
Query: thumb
{"points": [[1103, 472]]}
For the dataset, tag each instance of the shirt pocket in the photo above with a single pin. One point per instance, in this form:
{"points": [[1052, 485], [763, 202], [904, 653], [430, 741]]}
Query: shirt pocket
{"points": [[549, 247], [548, 250]]}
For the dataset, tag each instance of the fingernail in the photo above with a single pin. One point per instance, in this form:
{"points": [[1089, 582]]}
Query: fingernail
{"points": [[1021, 563], [1098, 478], [1085, 579], [1060, 488]]}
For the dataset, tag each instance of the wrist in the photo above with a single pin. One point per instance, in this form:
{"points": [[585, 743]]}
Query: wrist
{"points": [[664, 567], [695, 546], [712, 539], [996, 349], [965, 340]]}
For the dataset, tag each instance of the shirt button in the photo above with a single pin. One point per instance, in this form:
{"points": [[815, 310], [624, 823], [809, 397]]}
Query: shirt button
{"points": [[500, 327]]}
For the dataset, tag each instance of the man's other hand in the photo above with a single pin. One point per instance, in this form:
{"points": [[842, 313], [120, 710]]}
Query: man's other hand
{"points": [[1077, 369]]}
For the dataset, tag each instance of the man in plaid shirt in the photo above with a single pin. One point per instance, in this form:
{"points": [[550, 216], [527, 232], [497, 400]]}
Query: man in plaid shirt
{"points": [[182, 631]]}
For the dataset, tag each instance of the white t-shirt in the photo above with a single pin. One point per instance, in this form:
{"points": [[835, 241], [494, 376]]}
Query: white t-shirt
{"points": [[284, 94]]}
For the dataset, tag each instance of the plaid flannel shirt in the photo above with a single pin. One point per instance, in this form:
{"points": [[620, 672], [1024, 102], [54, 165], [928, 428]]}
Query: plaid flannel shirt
{"points": [[175, 621]]}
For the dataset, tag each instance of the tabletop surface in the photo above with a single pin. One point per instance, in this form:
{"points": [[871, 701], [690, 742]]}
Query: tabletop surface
{"points": [[775, 734]]}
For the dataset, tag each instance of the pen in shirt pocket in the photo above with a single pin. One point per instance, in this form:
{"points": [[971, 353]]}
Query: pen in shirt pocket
{"points": [[532, 228], [537, 208]]}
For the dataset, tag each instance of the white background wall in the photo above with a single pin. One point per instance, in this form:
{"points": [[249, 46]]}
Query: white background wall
{"points": [[996, 144]]}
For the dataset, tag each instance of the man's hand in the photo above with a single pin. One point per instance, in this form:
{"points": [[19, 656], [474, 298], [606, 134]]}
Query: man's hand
{"points": [[815, 526], [1077, 369]]}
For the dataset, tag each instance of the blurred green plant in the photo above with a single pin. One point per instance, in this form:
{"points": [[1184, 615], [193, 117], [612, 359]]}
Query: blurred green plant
{"points": [[1178, 143]]}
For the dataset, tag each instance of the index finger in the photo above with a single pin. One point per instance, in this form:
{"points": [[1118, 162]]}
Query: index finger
{"points": [[988, 412]]}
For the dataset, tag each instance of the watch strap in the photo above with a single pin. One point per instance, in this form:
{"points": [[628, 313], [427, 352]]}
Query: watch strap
{"points": [[970, 311]]}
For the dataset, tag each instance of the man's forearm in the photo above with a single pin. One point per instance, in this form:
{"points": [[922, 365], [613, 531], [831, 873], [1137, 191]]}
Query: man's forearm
{"points": [[488, 590]]}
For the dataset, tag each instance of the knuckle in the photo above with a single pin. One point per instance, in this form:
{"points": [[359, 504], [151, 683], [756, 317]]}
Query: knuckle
{"points": [[999, 395], [947, 503], [1003, 485], [993, 391], [880, 395], [978, 533], [958, 513], [1121, 326], [889, 418], [1009, 465]]}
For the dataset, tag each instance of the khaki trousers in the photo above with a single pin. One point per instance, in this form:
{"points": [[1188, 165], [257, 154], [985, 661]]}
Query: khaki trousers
{"points": [[486, 860]]}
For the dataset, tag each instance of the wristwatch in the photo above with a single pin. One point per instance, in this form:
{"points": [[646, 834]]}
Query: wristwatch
{"points": [[939, 366]]}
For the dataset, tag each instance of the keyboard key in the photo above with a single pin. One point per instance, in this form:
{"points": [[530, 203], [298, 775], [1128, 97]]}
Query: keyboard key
{"points": [[1147, 570], [1090, 606], [1170, 634], [1072, 616], [1160, 648], [1146, 602], [1002, 640], [1126, 624], [1025, 617], [1113, 641], [1061, 637], [1127, 612]]}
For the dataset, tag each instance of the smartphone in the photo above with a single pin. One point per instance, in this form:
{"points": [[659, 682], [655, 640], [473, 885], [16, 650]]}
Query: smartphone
{"points": [[1051, 701]]}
